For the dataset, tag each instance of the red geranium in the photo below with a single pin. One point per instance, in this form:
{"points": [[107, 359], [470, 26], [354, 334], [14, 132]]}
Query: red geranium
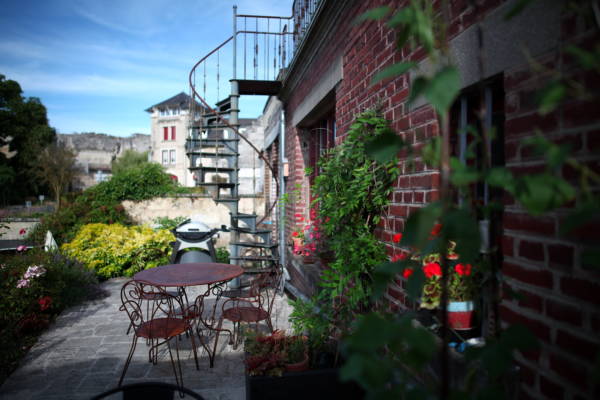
{"points": [[432, 269], [397, 237], [463, 269], [436, 229], [407, 272], [45, 302]]}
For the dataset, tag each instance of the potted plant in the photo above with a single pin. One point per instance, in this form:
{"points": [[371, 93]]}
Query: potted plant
{"points": [[297, 241], [277, 366], [462, 283], [273, 354]]}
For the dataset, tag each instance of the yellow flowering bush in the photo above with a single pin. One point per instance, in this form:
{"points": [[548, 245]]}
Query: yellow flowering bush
{"points": [[117, 250]]}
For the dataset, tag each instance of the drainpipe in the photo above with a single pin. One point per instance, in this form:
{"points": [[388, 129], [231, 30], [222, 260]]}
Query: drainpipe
{"points": [[282, 191]]}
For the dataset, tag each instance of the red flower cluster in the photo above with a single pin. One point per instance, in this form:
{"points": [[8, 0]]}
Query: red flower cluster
{"points": [[399, 257], [463, 269], [432, 269], [45, 302]]}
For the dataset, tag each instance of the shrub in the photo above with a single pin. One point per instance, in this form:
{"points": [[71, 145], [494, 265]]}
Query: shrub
{"points": [[168, 223], [222, 255], [117, 250], [36, 286], [102, 203]]}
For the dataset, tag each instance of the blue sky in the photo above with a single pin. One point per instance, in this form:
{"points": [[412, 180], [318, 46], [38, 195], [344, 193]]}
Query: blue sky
{"points": [[98, 64]]}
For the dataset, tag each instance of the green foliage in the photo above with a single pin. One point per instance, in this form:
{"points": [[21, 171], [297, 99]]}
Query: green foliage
{"points": [[350, 194], [129, 159], [56, 167], [25, 121], [26, 311], [117, 250], [102, 203], [138, 183], [222, 255], [168, 223]]}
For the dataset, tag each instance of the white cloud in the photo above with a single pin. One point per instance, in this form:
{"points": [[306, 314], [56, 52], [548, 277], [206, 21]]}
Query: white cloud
{"points": [[91, 83]]}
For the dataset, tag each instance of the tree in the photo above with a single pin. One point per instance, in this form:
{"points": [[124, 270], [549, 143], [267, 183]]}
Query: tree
{"points": [[129, 159], [23, 123], [56, 167]]}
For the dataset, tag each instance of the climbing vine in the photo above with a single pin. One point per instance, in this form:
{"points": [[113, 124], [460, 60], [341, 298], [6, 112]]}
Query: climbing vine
{"points": [[350, 192]]}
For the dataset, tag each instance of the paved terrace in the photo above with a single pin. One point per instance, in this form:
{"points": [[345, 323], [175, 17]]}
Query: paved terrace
{"points": [[83, 353]]}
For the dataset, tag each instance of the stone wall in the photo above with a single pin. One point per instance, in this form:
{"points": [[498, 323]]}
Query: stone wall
{"points": [[212, 214]]}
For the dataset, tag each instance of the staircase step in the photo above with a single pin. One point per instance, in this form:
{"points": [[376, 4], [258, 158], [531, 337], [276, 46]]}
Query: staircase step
{"points": [[212, 140], [211, 155], [213, 169], [260, 87], [254, 258], [227, 199], [252, 231], [224, 105], [226, 185], [254, 244]]}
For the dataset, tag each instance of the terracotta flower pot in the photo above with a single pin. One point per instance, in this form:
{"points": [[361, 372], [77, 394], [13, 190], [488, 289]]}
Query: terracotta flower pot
{"points": [[460, 315], [299, 366], [298, 245]]}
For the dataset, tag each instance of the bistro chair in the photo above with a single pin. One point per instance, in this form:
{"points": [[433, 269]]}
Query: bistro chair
{"points": [[158, 323], [254, 307]]}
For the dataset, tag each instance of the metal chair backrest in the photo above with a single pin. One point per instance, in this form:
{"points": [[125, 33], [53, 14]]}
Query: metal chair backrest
{"points": [[148, 390], [162, 304]]}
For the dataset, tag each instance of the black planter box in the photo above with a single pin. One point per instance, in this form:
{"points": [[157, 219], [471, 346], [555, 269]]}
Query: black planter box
{"points": [[312, 385]]}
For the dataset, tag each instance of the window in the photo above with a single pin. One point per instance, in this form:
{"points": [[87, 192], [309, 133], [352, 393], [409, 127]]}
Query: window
{"points": [[172, 133], [165, 157], [165, 133], [464, 120], [322, 138], [172, 154]]}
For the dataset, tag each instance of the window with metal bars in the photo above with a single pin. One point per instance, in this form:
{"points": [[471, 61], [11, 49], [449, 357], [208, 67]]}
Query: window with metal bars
{"points": [[476, 139]]}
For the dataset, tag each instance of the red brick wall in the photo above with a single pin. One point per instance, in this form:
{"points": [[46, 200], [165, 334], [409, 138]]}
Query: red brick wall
{"points": [[561, 297]]}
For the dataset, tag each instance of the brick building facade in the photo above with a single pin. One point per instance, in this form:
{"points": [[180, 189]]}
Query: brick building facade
{"points": [[328, 83]]}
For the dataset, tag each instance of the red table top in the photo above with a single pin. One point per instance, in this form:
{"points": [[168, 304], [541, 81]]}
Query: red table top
{"points": [[191, 274]]}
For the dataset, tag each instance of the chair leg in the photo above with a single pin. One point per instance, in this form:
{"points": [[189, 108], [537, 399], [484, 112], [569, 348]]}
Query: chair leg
{"points": [[131, 351], [190, 333], [178, 378]]}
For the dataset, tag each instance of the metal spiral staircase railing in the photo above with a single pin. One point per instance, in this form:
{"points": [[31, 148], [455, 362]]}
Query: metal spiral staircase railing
{"points": [[214, 136]]}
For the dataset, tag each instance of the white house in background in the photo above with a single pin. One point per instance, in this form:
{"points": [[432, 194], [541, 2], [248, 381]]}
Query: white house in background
{"points": [[169, 122]]}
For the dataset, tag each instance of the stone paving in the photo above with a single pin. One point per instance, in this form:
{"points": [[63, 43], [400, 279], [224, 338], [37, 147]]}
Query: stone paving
{"points": [[83, 353]]}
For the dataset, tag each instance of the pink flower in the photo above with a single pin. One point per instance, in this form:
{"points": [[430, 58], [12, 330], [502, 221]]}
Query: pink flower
{"points": [[397, 237], [22, 231], [21, 248], [432, 269], [23, 283]]}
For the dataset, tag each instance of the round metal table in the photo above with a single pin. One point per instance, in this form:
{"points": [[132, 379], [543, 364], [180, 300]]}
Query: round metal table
{"points": [[194, 274], [191, 274]]}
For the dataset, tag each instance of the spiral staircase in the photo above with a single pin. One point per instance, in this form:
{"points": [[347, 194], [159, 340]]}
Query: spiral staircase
{"points": [[213, 142]]}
